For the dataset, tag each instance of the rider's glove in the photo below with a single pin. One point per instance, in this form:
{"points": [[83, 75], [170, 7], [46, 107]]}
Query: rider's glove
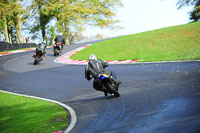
{"points": [[98, 75], [89, 78]]}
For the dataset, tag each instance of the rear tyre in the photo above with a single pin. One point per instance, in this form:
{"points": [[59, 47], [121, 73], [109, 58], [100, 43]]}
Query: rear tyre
{"points": [[111, 89], [56, 52]]}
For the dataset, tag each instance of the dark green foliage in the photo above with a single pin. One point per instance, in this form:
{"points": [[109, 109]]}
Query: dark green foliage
{"points": [[195, 13]]}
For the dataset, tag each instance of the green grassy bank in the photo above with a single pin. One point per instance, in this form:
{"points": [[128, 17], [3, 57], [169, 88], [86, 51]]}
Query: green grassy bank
{"points": [[168, 44], [20, 114]]}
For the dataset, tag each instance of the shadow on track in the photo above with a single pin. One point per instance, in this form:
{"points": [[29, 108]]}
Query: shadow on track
{"points": [[101, 98], [51, 55]]}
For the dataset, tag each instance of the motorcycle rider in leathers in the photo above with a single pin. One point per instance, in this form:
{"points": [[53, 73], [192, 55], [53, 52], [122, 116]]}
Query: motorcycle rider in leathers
{"points": [[41, 46], [60, 39], [94, 68]]}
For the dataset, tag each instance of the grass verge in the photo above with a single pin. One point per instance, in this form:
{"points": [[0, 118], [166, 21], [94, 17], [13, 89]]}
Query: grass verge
{"points": [[168, 44], [20, 114]]}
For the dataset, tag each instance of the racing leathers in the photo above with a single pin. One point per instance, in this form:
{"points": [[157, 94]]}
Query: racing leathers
{"points": [[41, 49]]}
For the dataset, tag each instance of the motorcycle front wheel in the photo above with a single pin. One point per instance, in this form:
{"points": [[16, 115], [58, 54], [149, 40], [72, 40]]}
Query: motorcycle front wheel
{"points": [[36, 59], [35, 62], [111, 89]]}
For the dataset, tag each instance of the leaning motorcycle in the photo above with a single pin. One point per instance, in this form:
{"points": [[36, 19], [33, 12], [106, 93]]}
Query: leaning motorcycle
{"points": [[57, 49], [38, 56], [108, 84]]}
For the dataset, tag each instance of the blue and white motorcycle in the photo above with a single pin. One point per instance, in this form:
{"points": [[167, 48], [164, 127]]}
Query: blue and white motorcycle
{"points": [[108, 84], [105, 81]]}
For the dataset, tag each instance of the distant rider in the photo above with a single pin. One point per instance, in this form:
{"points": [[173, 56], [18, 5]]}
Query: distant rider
{"points": [[94, 68], [41, 46], [60, 39]]}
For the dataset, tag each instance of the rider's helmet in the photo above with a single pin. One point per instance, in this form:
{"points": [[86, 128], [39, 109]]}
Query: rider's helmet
{"points": [[43, 41], [92, 57], [60, 34], [42, 45]]}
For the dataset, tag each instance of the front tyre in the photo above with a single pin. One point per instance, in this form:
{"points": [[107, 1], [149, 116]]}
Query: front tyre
{"points": [[36, 59], [35, 62], [111, 89]]}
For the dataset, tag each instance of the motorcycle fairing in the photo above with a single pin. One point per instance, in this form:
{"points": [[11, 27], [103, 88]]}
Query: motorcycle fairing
{"points": [[103, 76]]}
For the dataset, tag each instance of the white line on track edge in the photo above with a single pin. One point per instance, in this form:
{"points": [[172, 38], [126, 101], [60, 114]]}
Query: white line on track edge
{"points": [[71, 111]]}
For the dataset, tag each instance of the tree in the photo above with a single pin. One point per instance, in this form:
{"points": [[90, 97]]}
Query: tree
{"points": [[18, 18], [11, 17], [73, 37], [41, 16], [72, 15], [4, 13], [95, 12], [195, 14], [52, 34]]}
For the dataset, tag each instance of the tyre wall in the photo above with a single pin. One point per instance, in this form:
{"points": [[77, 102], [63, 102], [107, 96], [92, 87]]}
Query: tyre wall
{"points": [[7, 46]]}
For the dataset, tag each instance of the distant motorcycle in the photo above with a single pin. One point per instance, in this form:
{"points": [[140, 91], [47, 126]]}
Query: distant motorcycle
{"points": [[40, 52], [107, 83], [38, 56], [57, 49]]}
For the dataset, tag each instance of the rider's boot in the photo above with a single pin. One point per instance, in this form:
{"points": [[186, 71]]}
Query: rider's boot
{"points": [[105, 93]]}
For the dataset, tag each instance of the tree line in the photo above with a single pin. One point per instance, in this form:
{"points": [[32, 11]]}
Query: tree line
{"points": [[44, 18]]}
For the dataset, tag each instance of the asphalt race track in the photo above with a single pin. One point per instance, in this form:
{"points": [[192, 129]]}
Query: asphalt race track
{"points": [[155, 97]]}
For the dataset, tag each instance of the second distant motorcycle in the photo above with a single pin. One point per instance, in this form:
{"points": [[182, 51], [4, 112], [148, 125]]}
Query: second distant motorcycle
{"points": [[59, 43]]}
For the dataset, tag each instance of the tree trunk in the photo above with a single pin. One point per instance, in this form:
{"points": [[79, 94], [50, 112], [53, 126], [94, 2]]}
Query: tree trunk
{"points": [[1, 37], [6, 29], [66, 32], [52, 41], [18, 27], [10, 38], [43, 33]]}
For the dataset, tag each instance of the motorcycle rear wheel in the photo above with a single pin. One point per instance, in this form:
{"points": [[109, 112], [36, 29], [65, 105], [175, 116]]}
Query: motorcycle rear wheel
{"points": [[56, 51], [111, 89]]}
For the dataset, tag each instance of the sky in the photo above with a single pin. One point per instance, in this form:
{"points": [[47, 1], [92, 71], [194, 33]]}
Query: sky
{"points": [[137, 16]]}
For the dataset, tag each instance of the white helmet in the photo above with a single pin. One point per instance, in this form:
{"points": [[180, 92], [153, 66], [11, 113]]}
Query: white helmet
{"points": [[60, 34], [92, 57], [43, 41]]}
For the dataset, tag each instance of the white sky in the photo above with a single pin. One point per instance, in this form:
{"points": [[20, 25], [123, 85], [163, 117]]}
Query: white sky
{"points": [[143, 15]]}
